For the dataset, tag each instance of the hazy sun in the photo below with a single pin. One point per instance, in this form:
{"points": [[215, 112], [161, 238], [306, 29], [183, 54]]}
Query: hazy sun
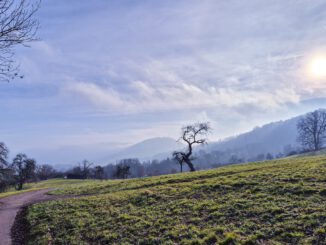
{"points": [[317, 67]]}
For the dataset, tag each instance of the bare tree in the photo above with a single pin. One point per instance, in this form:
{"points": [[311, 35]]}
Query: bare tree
{"points": [[195, 134], [312, 130], [30, 169], [99, 172], [4, 151], [5, 171], [85, 167], [178, 157], [45, 171], [122, 171], [24, 168], [17, 27]]}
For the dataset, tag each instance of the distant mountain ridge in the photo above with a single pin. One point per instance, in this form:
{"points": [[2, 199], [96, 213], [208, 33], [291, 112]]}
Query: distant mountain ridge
{"points": [[153, 148], [275, 138], [272, 138]]}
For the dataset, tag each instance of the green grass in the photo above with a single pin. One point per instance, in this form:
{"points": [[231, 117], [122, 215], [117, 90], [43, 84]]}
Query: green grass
{"points": [[56, 183], [12, 192], [53, 183], [276, 202]]}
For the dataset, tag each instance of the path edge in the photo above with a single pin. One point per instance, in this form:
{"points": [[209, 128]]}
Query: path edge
{"points": [[19, 232]]}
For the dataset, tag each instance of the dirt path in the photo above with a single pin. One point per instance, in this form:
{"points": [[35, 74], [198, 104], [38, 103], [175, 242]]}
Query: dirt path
{"points": [[9, 207]]}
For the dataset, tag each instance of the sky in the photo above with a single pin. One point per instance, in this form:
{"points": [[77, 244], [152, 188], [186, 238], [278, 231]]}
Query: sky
{"points": [[108, 74]]}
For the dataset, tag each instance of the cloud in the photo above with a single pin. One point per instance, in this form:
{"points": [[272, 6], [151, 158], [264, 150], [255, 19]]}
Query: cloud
{"points": [[96, 95], [143, 97], [128, 66], [182, 57]]}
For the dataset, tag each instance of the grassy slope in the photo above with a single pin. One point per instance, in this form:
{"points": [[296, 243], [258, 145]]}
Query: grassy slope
{"points": [[279, 202]]}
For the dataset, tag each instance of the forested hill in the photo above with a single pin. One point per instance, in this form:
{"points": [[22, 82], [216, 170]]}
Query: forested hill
{"points": [[272, 138]]}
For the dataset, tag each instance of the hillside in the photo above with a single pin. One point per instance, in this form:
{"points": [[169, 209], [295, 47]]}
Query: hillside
{"points": [[275, 137], [275, 202], [264, 139], [260, 140]]}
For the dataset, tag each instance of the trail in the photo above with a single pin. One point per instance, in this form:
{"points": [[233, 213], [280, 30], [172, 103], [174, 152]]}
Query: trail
{"points": [[10, 206]]}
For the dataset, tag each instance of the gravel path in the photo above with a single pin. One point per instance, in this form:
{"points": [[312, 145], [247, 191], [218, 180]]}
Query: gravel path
{"points": [[9, 207]]}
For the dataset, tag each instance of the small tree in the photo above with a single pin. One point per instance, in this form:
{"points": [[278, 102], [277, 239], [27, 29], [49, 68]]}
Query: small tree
{"points": [[136, 168], [122, 171], [30, 169], [45, 172], [85, 168], [269, 156], [24, 169], [4, 151], [178, 157], [99, 172], [6, 173], [18, 166], [75, 173], [312, 130], [192, 135]]}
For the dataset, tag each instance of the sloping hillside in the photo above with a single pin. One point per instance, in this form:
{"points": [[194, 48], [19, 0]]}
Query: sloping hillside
{"points": [[273, 138], [275, 202]]}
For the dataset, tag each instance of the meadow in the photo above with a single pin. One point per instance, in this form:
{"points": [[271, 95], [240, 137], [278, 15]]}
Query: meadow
{"points": [[272, 202], [53, 183]]}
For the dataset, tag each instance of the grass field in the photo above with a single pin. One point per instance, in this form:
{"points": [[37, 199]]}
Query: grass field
{"points": [[53, 183], [275, 202]]}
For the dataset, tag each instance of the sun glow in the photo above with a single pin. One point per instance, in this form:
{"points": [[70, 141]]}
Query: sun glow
{"points": [[317, 67]]}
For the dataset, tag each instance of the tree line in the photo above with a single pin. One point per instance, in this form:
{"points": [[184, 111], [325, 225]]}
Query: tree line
{"points": [[21, 170]]}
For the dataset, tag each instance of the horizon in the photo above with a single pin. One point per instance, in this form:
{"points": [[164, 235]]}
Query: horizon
{"points": [[106, 75]]}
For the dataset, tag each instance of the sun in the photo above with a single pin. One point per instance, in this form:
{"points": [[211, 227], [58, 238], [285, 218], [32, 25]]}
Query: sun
{"points": [[317, 67]]}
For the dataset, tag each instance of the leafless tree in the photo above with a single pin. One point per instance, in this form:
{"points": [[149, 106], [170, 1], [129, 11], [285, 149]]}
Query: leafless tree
{"points": [[122, 171], [312, 130], [4, 151], [5, 171], [45, 171], [24, 169], [17, 27], [99, 172], [85, 167], [195, 134], [178, 157]]}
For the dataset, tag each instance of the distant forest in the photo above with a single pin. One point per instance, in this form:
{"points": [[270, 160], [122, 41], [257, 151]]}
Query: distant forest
{"points": [[134, 168]]}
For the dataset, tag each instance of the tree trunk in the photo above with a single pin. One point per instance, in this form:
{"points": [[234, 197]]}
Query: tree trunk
{"points": [[190, 165], [19, 186], [315, 142]]}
